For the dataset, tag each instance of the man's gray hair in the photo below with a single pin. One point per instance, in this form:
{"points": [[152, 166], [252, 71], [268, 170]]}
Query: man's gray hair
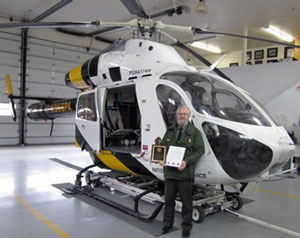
{"points": [[183, 106]]}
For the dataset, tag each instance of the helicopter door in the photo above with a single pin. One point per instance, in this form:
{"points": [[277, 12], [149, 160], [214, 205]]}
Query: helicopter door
{"points": [[87, 120]]}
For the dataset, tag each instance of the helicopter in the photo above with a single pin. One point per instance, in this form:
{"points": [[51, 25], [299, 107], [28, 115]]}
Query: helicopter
{"points": [[127, 98]]}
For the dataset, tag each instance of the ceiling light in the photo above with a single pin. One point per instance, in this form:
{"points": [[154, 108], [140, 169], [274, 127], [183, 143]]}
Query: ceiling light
{"points": [[201, 7], [207, 47], [281, 34]]}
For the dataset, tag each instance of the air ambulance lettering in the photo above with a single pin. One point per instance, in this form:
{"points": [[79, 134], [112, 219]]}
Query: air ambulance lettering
{"points": [[139, 71], [157, 170], [200, 175], [62, 107]]}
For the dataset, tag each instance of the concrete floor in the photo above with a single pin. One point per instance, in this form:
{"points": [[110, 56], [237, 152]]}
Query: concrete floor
{"points": [[32, 207]]}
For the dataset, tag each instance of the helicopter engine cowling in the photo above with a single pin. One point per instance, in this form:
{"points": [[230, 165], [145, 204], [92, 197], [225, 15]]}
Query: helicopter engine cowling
{"points": [[80, 76]]}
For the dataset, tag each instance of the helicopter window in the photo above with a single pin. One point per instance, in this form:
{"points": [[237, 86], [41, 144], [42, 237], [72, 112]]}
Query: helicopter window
{"points": [[87, 108], [115, 74], [197, 89], [212, 97], [168, 100], [240, 156], [232, 107]]}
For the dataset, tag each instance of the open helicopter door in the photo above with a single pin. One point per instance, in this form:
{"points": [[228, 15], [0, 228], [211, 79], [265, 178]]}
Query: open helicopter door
{"points": [[88, 120]]}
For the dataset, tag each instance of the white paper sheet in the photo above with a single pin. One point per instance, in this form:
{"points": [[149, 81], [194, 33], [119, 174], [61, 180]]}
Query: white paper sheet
{"points": [[175, 156]]}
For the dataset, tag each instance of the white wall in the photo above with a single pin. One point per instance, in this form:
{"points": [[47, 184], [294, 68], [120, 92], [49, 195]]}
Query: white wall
{"points": [[236, 56], [9, 64], [276, 86]]}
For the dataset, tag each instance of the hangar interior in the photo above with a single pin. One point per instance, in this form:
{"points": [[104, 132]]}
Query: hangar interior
{"points": [[38, 156]]}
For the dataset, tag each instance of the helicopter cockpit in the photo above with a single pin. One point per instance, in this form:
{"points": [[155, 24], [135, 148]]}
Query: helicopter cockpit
{"points": [[210, 97], [213, 99]]}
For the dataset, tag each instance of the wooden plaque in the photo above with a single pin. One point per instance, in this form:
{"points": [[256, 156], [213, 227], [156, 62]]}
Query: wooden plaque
{"points": [[158, 153]]}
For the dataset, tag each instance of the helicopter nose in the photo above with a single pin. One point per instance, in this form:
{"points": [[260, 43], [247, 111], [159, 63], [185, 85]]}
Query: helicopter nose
{"points": [[241, 157]]}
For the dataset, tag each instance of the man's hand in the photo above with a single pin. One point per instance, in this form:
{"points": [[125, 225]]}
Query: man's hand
{"points": [[162, 163], [182, 166]]}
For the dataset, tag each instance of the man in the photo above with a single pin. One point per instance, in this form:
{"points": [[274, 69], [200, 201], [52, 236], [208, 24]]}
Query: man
{"points": [[181, 133]]}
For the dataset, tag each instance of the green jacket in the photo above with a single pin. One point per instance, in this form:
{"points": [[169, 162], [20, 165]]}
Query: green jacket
{"points": [[192, 140]]}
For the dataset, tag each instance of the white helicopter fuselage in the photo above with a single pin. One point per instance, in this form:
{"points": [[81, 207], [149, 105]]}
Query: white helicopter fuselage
{"points": [[241, 141]]}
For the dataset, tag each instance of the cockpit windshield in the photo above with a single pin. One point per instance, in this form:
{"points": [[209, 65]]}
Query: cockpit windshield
{"points": [[211, 97]]}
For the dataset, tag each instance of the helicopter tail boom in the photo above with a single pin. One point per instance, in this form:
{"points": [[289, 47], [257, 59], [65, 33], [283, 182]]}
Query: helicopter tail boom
{"points": [[53, 110], [47, 108]]}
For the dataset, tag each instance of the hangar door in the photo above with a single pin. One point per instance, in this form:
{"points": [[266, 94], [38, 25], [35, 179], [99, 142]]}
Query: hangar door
{"points": [[9, 64], [47, 63]]}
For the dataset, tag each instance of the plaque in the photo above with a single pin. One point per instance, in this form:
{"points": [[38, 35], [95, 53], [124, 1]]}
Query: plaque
{"points": [[158, 153]]}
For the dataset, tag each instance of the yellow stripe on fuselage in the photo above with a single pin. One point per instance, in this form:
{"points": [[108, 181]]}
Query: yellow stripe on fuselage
{"points": [[75, 77], [112, 161]]}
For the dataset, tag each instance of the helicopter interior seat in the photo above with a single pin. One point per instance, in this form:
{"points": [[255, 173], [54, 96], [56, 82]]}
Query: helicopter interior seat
{"points": [[169, 105], [206, 104], [115, 131]]}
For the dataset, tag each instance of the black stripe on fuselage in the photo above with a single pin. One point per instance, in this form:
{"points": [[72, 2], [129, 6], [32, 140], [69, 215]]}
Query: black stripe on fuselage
{"points": [[130, 162], [85, 74]]}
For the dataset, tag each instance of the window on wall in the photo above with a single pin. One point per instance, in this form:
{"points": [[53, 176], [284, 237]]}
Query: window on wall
{"points": [[87, 108], [5, 109]]}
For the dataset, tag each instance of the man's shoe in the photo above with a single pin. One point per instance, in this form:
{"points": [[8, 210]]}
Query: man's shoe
{"points": [[186, 234], [166, 229]]}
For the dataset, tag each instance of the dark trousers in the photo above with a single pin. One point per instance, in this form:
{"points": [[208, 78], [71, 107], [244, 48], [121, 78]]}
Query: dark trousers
{"points": [[184, 187]]}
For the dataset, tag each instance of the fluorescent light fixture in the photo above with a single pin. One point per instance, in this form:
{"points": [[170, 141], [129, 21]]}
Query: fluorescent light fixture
{"points": [[207, 47], [281, 34]]}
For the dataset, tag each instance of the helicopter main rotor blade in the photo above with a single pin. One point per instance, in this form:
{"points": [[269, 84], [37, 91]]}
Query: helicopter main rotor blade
{"points": [[132, 23], [48, 24], [199, 39], [135, 8], [200, 31], [169, 12], [107, 29]]}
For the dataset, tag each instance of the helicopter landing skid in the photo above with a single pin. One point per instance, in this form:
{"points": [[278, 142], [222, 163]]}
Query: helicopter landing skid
{"points": [[93, 193], [94, 180], [206, 200]]}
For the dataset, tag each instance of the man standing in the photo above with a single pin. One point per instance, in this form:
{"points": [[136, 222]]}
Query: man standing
{"points": [[182, 134]]}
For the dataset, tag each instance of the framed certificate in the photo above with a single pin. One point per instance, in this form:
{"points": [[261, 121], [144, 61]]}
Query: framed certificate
{"points": [[158, 153]]}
